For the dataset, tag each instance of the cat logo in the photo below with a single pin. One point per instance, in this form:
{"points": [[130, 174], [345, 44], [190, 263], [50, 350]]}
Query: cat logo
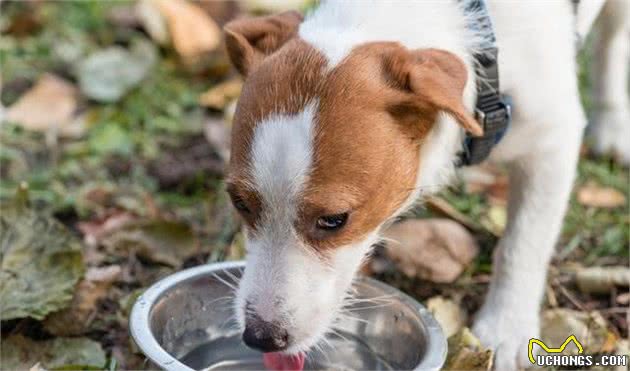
{"points": [[560, 349]]}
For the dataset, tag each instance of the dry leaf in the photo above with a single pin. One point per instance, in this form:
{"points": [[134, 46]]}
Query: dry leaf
{"points": [[589, 328], [192, 31], [41, 262], [495, 219], [19, 352], [623, 299], [76, 319], [217, 132], [37, 367], [597, 196], [221, 11], [448, 314], [220, 95], [465, 352], [274, 6], [229, 112], [442, 207], [433, 249], [50, 104], [477, 179], [622, 348], [153, 21], [95, 230], [106, 75], [487, 180], [602, 280], [124, 16], [160, 241]]}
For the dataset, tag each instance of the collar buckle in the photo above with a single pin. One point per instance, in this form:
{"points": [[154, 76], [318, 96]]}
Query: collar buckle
{"points": [[494, 117]]}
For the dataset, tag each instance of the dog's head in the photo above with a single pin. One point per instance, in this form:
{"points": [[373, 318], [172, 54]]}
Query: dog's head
{"points": [[322, 156]]}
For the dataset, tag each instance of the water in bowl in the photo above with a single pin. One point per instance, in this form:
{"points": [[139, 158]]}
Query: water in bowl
{"points": [[343, 352]]}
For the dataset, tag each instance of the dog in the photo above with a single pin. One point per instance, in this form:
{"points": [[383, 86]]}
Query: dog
{"points": [[347, 118]]}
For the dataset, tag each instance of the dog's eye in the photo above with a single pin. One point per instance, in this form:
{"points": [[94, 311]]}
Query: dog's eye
{"points": [[332, 222], [239, 204]]}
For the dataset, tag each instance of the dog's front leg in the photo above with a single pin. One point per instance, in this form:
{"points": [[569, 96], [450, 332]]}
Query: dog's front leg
{"points": [[540, 185]]}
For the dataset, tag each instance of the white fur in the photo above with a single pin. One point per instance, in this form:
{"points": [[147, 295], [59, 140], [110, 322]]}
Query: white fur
{"points": [[537, 68], [285, 281], [611, 118]]}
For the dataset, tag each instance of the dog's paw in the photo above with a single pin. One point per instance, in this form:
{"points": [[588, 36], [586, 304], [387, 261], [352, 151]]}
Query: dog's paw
{"points": [[507, 333], [610, 132]]}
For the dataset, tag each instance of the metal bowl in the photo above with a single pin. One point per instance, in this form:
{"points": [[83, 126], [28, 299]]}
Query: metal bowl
{"points": [[185, 322]]}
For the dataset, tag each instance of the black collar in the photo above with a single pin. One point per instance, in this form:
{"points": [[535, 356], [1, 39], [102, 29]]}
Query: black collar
{"points": [[493, 110]]}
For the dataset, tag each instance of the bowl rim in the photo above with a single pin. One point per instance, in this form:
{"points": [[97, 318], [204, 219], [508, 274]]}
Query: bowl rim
{"points": [[140, 329]]}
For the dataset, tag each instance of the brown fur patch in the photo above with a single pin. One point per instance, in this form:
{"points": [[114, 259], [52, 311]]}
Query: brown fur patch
{"points": [[284, 83], [375, 108], [366, 158]]}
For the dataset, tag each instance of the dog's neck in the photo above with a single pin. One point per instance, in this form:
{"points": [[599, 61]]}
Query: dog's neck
{"points": [[336, 28]]}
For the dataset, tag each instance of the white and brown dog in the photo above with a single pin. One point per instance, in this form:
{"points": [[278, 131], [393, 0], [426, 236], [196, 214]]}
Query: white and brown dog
{"points": [[348, 117]]}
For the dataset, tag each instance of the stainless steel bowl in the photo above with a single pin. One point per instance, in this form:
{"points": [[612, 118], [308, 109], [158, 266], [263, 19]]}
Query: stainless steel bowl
{"points": [[185, 322]]}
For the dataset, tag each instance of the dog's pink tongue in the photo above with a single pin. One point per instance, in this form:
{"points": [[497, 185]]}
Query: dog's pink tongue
{"points": [[283, 362]]}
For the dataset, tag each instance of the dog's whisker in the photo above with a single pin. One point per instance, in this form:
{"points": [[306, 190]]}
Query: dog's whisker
{"points": [[375, 299], [335, 332], [345, 316], [225, 282], [235, 280]]}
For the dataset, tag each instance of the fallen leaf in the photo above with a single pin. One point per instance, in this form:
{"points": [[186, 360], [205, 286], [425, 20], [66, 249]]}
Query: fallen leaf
{"points": [[622, 348], [95, 230], [274, 6], [477, 179], [217, 133], [25, 22], [220, 95], [449, 314], [487, 180], [434, 249], [49, 105], [108, 74], [229, 112], [193, 32], [126, 302], [21, 353], [110, 138], [602, 280], [594, 195], [589, 328], [124, 15], [37, 367], [220, 11], [236, 251], [465, 352], [440, 206], [623, 299], [76, 319], [40, 266], [495, 219], [160, 241], [153, 21]]}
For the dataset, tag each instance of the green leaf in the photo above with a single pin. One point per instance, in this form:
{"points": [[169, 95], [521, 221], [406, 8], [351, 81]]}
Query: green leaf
{"points": [[111, 138], [160, 241], [40, 264], [21, 353], [108, 74]]}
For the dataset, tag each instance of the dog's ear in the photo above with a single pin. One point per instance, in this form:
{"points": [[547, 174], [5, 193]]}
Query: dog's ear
{"points": [[249, 40], [432, 81]]}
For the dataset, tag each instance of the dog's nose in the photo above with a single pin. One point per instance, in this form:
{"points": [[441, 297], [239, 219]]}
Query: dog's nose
{"points": [[265, 336]]}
